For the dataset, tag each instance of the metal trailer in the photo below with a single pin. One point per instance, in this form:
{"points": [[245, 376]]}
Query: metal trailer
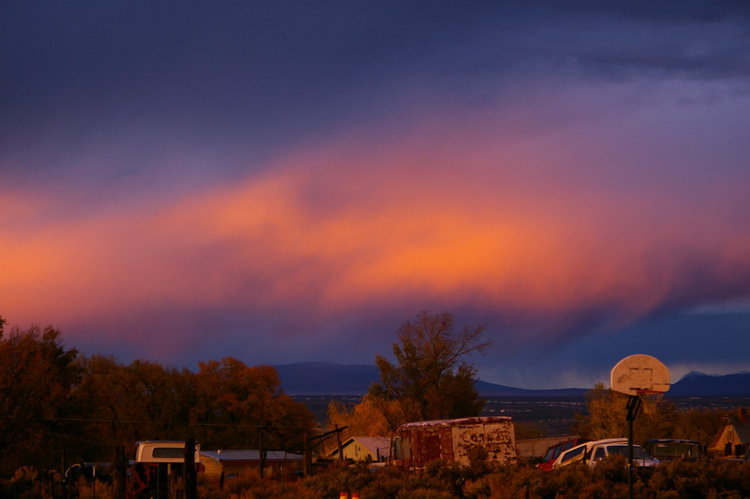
{"points": [[417, 444]]}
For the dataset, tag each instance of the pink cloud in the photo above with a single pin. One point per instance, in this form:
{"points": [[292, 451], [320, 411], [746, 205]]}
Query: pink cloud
{"points": [[460, 217]]}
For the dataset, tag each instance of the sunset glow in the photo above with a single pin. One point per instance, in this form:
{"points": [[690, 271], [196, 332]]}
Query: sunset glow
{"points": [[561, 194]]}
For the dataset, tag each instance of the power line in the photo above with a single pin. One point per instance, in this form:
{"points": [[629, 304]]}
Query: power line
{"points": [[133, 421]]}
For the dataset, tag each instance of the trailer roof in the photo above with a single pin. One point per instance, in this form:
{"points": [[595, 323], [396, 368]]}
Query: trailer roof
{"points": [[458, 422]]}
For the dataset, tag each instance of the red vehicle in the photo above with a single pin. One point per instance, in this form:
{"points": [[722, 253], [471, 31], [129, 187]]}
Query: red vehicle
{"points": [[554, 451]]}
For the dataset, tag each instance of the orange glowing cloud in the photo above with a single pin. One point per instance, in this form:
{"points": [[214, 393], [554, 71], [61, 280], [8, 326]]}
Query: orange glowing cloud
{"points": [[336, 228]]}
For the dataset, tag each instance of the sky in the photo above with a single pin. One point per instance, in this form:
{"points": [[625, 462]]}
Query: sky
{"points": [[290, 181]]}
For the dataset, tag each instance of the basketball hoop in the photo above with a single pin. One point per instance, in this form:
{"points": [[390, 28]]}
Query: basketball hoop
{"points": [[641, 378], [650, 400], [639, 374]]}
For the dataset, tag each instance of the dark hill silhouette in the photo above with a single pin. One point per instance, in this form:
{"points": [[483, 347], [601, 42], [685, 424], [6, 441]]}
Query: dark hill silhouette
{"points": [[697, 384], [327, 378]]}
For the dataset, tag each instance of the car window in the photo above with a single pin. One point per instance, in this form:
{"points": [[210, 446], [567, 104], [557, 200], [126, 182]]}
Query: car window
{"points": [[572, 455], [622, 450], [676, 450], [614, 450], [598, 454], [169, 452], [663, 450]]}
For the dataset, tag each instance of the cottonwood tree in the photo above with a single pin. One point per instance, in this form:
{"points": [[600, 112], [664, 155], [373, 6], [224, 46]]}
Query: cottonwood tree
{"points": [[37, 374], [236, 404], [701, 425], [605, 415], [363, 419], [431, 378], [158, 397], [126, 403], [224, 405], [102, 401], [607, 411]]}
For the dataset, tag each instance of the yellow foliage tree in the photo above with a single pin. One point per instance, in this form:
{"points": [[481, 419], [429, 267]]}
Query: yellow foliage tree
{"points": [[607, 412], [363, 419]]}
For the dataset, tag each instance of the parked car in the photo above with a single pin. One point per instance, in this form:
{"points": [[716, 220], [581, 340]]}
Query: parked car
{"points": [[669, 449], [590, 453], [606, 449], [554, 451]]}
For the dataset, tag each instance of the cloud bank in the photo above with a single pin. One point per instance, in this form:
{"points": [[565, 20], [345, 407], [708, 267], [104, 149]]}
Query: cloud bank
{"points": [[569, 177]]}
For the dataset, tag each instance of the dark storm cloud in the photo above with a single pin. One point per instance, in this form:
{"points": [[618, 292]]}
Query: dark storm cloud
{"points": [[236, 67]]}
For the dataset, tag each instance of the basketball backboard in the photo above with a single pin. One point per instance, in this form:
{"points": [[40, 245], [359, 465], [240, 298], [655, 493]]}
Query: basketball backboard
{"points": [[639, 374]]}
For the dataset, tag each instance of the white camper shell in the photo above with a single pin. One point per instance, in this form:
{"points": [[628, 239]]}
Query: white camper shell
{"points": [[163, 451]]}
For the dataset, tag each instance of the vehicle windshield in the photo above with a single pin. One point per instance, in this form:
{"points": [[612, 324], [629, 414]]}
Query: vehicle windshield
{"points": [[676, 450], [622, 450]]}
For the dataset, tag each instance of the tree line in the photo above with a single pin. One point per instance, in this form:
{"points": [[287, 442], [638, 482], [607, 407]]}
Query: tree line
{"points": [[59, 407]]}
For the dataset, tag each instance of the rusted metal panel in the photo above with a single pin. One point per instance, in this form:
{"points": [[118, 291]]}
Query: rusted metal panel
{"points": [[497, 439], [453, 440]]}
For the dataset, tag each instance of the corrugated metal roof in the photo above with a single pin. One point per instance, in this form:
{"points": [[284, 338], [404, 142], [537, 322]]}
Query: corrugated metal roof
{"points": [[249, 455]]}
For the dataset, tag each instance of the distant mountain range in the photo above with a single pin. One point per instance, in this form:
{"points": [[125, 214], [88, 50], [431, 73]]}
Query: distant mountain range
{"points": [[697, 384], [323, 378]]}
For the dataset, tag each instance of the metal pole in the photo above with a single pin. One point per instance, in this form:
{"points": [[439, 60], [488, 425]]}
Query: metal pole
{"points": [[307, 461], [630, 457], [634, 403], [261, 452]]}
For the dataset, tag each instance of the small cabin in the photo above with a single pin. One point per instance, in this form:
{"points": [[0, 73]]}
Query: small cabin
{"points": [[375, 449], [733, 438]]}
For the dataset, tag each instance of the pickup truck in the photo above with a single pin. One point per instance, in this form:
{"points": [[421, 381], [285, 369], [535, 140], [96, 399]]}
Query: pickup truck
{"points": [[163, 451], [157, 466]]}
